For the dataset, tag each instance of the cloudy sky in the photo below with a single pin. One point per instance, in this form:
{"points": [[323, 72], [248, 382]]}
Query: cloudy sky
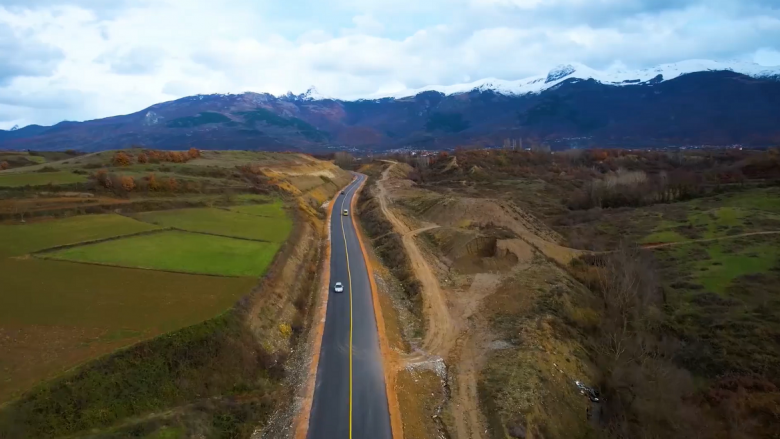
{"points": [[84, 59]]}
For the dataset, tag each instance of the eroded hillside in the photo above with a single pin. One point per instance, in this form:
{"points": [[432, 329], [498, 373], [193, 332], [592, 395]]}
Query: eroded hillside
{"points": [[487, 278], [591, 294]]}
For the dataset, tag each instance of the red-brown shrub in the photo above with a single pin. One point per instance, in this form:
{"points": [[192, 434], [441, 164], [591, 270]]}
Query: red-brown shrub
{"points": [[121, 159]]}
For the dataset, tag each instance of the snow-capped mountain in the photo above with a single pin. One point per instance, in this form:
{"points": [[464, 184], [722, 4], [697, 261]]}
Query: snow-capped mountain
{"points": [[691, 102], [613, 76]]}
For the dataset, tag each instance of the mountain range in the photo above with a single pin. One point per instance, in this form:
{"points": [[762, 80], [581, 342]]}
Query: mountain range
{"points": [[689, 103]]}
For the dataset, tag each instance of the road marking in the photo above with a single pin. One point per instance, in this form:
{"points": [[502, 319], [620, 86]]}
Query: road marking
{"points": [[349, 277]]}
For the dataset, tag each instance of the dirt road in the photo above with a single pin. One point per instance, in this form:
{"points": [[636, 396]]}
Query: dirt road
{"points": [[440, 330], [447, 334]]}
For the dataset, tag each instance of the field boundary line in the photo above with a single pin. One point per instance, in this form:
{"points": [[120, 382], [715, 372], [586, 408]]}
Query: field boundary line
{"points": [[98, 241], [100, 264], [177, 229], [393, 407]]}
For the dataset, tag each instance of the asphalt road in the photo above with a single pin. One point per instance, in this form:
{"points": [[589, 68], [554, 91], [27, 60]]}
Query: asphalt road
{"points": [[350, 386]]}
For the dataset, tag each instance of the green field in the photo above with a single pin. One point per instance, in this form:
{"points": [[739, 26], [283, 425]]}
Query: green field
{"points": [[719, 216], [716, 264], [223, 222], [54, 314], [273, 209], [178, 251], [663, 236], [18, 240], [17, 179], [724, 299]]}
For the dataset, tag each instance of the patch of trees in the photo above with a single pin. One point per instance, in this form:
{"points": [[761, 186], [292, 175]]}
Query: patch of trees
{"points": [[271, 118], [449, 122], [204, 118], [665, 372], [643, 392], [125, 184], [344, 160], [124, 158], [635, 188], [607, 178]]}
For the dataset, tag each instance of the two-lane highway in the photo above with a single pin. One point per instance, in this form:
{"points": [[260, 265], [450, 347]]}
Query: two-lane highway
{"points": [[350, 399]]}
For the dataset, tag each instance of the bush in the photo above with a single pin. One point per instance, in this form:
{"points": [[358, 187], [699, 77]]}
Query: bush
{"points": [[128, 184], [103, 179], [121, 159]]}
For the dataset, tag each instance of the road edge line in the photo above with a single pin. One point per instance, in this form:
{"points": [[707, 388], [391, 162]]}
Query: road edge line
{"points": [[396, 426], [304, 413]]}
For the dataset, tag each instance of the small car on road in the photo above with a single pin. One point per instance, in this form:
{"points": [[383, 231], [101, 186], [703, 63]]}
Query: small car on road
{"points": [[338, 288], [345, 212]]}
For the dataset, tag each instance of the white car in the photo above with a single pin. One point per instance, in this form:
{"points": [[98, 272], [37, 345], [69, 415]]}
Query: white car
{"points": [[345, 212], [338, 287]]}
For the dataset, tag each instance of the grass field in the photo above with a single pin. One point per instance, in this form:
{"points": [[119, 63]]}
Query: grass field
{"points": [[224, 222], [17, 179], [54, 314], [715, 265], [274, 209], [17, 240], [178, 251], [719, 216], [724, 300]]}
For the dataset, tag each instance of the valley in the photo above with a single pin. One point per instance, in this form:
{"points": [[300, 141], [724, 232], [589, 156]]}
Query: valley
{"points": [[515, 293], [482, 219]]}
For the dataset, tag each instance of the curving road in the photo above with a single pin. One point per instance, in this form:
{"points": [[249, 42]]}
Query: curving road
{"points": [[350, 399]]}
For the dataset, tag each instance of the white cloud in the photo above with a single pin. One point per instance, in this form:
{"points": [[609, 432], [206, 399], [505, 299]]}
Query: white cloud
{"points": [[767, 57], [85, 62], [366, 24]]}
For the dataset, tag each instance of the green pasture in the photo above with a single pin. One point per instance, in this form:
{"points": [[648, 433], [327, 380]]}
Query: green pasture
{"points": [[222, 222], [17, 240], [178, 251], [18, 179], [274, 209]]}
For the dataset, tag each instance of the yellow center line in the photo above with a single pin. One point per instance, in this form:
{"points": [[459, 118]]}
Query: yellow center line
{"points": [[349, 278]]}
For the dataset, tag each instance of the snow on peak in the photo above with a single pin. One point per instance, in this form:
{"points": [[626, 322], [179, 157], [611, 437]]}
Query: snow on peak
{"points": [[559, 73], [612, 76], [311, 94]]}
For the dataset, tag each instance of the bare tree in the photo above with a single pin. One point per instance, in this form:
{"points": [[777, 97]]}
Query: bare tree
{"points": [[344, 159]]}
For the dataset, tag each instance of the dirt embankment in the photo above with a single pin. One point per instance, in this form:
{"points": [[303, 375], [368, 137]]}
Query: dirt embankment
{"points": [[464, 250]]}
